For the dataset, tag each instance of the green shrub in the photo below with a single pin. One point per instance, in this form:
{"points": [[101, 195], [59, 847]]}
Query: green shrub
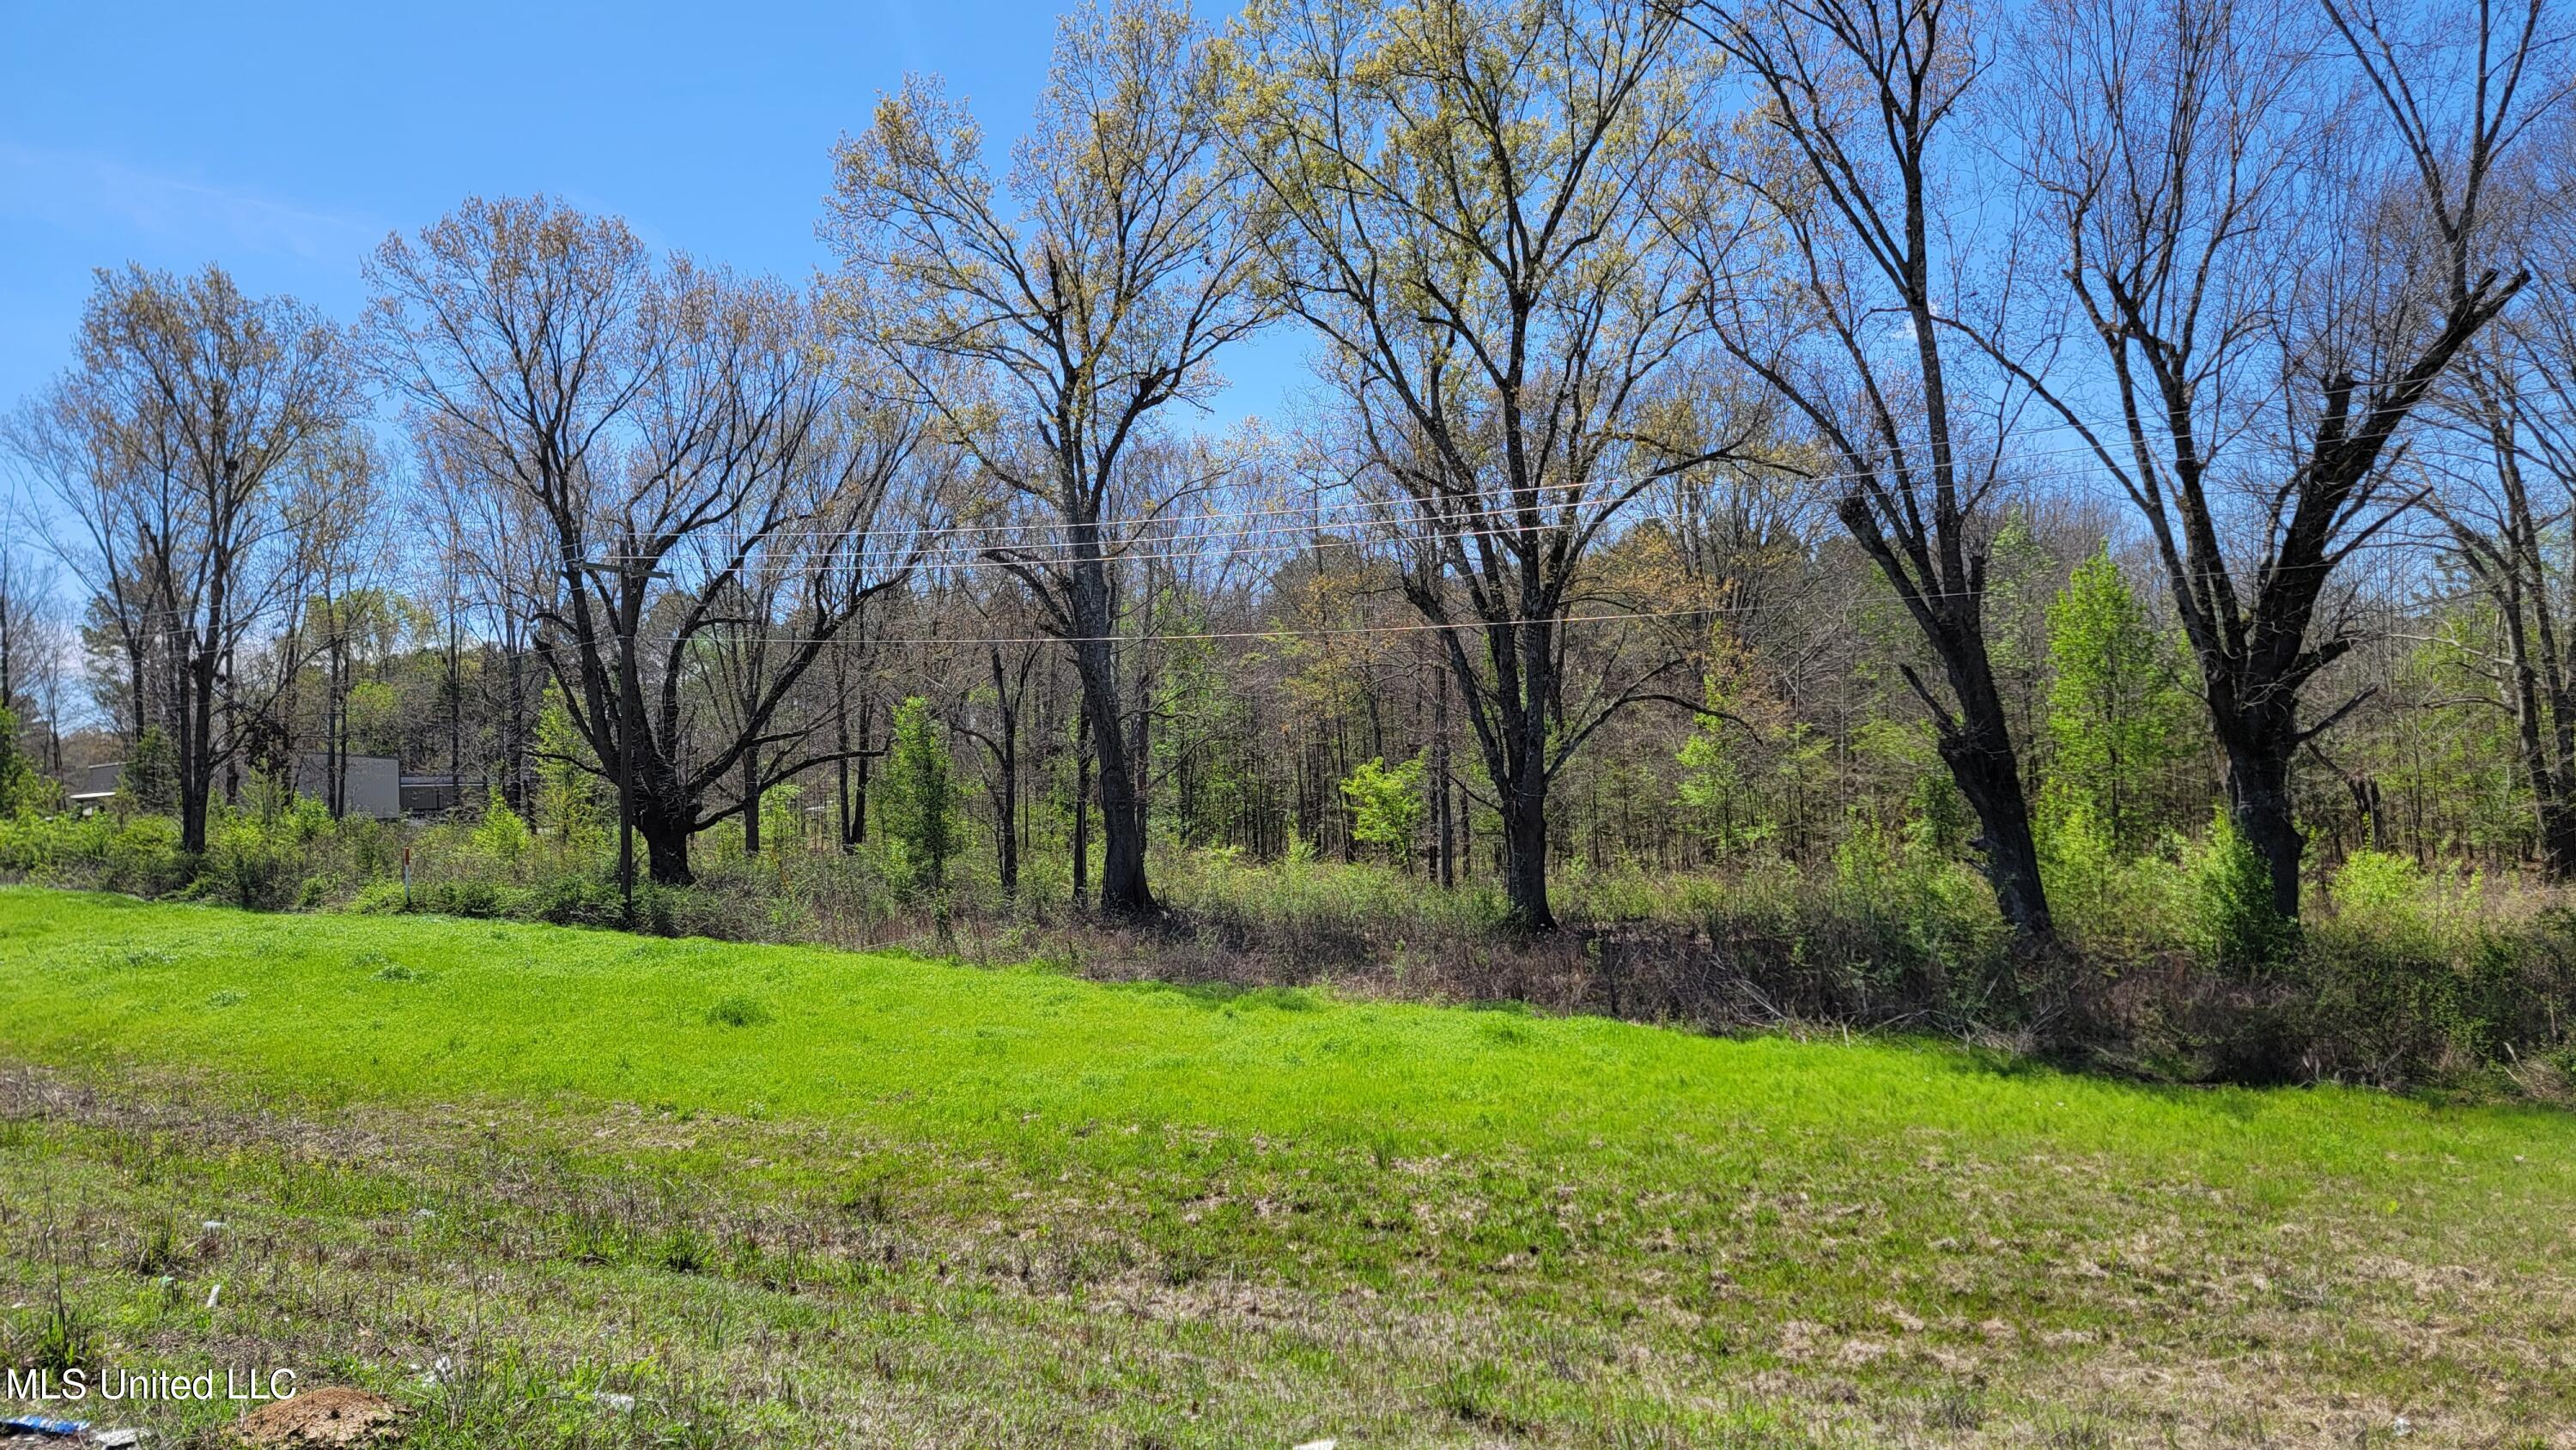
{"points": [[501, 835], [254, 864], [138, 855], [2108, 901], [576, 899], [2410, 978], [2233, 924], [1387, 806]]}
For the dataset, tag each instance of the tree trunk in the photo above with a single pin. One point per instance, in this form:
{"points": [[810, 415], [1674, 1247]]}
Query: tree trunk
{"points": [[455, 709], [1123, 889], [1007, 705], [860, 768], [516, 749], [1440, 778], [196, 751], [666, 832], [1082, 812], [841, 757], [1525, 857], [751, 803], [2258, 800], [2011, 866], [2557, 840], [666, 850], [1980, 755]]}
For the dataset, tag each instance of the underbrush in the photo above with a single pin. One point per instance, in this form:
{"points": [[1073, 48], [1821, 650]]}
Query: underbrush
{"points": [[2169, 965]]}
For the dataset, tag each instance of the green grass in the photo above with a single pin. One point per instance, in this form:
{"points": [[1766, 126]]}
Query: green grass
{"points": [[788, 1196]]}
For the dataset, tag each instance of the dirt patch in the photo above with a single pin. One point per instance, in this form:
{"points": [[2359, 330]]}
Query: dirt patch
{"points": [[330, 1416]]}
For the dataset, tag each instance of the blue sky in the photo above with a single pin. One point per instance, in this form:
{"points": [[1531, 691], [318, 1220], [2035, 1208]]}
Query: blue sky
{"points": [[284, 141]]}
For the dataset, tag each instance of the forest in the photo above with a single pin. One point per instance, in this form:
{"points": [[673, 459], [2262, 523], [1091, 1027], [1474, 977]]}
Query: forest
{"points": [[2055, 521]]}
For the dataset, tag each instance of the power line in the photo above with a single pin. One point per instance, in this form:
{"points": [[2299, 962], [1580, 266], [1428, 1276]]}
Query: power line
{"points": [[1302, 514]]}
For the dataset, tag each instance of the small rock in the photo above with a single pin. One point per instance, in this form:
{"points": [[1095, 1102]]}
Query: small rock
{"points": [[118, 1439], [622, 1404], [1319, 1445]]}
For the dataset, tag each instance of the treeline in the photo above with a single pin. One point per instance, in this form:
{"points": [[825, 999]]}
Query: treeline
{"points": [[1736, 431]]}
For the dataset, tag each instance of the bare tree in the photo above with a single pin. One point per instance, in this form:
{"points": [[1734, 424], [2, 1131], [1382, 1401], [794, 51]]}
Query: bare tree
{"points": [[343, 552], [167, 447], [1466, 207], [676, 436], [2277, 232], [2505, 508], [1050, 316], [26, 611], [1830, 241], [492, 546]]}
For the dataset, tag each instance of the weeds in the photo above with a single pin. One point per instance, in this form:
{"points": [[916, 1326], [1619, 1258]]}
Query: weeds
{"points": [[2171, 965]]}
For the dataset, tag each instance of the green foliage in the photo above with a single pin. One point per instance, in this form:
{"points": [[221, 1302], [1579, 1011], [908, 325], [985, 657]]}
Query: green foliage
{"points": [[150, 780], [254, 862], [1387, 806], [2116, 902], [1713, 787], [568, 787], [2383, 889], [1200, 746], [501, 835], [108, 851], [2411, 977], [919, 795], [1908, 923], [23, 789], [2118, 716], [2233, 923], [782, 820]]}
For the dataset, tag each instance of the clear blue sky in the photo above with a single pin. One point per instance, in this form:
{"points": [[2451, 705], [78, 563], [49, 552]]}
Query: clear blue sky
{"points": [[284, 141]]}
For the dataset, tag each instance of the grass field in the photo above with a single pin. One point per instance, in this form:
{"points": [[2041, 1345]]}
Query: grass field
{"points": [[782, 1196]]}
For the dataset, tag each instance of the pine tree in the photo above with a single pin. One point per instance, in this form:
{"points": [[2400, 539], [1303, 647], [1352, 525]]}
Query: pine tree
{"points": [[2119, 718], [920, 810]]}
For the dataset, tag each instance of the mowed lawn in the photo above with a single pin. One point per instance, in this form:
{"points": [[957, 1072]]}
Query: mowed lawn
{"points": [[779, 1196]]}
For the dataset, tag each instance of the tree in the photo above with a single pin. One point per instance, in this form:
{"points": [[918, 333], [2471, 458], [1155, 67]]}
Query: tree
{"points": [[1832, 275], [342, 552], [33, 641], [149, 781], [1464, 203], [1049, 316], [2118, 717], [168, 447], [566, 803], [22, 787], [706, 485], [920, 795], [2278, 258], [1003, 699], [2514, 409], [1387, 806]]}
